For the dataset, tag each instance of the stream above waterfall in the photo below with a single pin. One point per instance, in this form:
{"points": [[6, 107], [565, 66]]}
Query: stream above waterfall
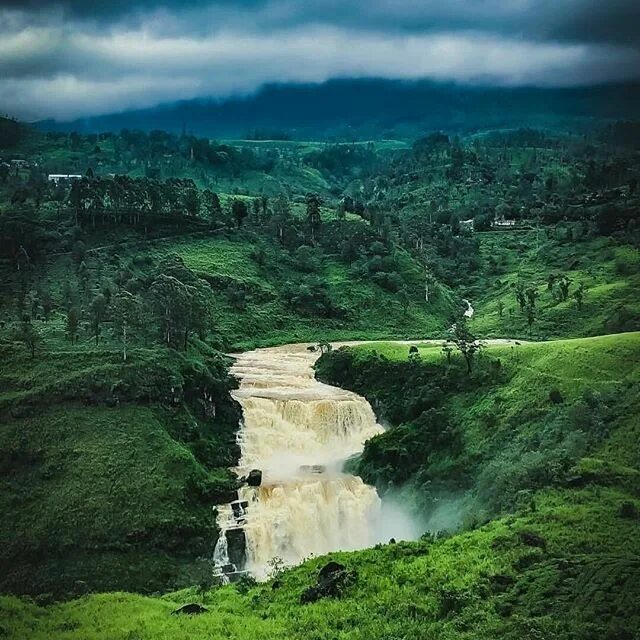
{"points": [[298, 432]]}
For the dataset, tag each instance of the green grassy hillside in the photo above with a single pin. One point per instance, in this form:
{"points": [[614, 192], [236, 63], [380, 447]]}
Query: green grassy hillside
{"points": [[261, 295], [563, 563], [609, 271], [525, 416], [110, 468], [369, 310]]}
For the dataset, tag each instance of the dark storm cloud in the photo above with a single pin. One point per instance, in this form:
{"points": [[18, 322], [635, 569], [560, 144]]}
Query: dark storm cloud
{"points": [[73, 58], [611, 21]]}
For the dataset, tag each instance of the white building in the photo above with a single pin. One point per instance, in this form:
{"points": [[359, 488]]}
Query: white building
{"points": [[57, 177], [503, 224]]}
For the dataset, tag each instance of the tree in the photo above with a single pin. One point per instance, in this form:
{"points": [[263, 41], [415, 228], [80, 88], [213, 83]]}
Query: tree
{"points": [[73, 322], [192, 202], [428, 278], [29, 335], [531, 317], [97, 308], [239, 210], [532, 295], [500, 308], [264, 201], [578, 294], [83, 276], [212, 206], [521, 297], [126, 311], [79, 252], [256, 208], [466, 343], [346, 206], [563, 285], [313, 202], [281, 216], [172, 304], [201, 316], [47, 304], [447, 350], [33, 301], [405, 299]]}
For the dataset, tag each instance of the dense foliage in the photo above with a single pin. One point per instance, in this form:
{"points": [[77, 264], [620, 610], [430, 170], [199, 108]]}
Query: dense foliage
{"points": [[482, 442]]}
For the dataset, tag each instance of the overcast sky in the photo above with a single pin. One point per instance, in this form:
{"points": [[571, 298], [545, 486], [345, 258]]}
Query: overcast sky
{"points": [[78, 58]]}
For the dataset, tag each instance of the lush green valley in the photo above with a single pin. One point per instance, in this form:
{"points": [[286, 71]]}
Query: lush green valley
{"points": [[126, 289]]}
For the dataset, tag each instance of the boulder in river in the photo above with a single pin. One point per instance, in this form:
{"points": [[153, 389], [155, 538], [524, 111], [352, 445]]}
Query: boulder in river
{"points": [[254, 479], [237, 547], [312, 468]]}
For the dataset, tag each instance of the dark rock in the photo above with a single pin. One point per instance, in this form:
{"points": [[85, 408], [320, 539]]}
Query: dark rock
{"points": [[533, 539], [190, 609], [237, 547], [254, 479], [333, 578], [313, 468], [413, 349], [239, 508], [329, 569], [312, 348]]}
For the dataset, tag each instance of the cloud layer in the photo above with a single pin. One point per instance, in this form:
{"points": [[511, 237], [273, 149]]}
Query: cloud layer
{"points": [[77, 59]]}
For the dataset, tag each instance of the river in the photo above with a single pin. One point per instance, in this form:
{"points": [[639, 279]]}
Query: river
{"points": [[298, 432]]}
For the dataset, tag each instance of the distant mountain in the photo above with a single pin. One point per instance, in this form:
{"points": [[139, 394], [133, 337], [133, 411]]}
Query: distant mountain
{"points": [[373, 109]]}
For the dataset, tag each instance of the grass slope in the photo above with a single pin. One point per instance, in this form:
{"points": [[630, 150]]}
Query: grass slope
{"points": [[510, 428], [109, 469], [566, 570], [372, 311], [609, 271], [265, 316]]}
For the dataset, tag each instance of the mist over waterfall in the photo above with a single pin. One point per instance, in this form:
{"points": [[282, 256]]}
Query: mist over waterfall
{"points": [[298, 432]]}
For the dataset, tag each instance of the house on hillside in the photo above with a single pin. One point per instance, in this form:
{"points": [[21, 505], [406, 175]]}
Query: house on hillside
{"points": [[63, 177], [468, 225], [503, 223]]}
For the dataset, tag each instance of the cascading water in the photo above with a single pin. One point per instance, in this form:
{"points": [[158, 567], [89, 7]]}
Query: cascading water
{"points": [[298, 432]]}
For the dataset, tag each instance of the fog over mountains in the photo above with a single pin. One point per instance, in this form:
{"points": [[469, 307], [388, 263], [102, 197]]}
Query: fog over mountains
{"points": [[373, 108]]}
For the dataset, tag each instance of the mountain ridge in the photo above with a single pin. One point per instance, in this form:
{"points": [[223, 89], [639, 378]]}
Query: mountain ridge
{"points": [[370, 108]]}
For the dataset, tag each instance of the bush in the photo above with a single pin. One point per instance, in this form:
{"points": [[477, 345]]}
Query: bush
{"points": [[555, 397]]}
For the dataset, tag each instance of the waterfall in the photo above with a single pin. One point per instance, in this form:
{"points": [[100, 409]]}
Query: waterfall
{"points": [[298, 432]]}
